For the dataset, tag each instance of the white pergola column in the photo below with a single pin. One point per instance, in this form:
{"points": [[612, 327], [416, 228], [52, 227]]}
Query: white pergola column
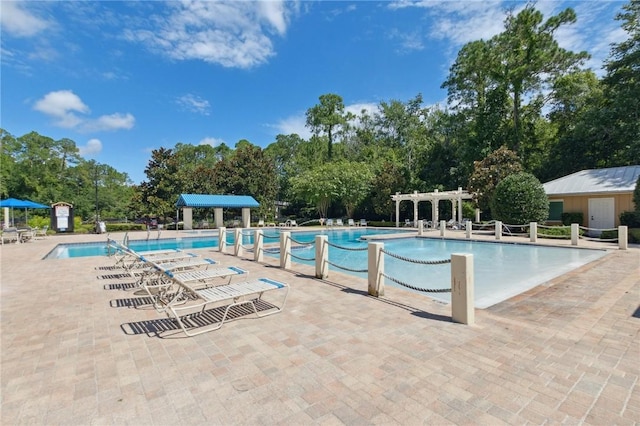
{"points": [[415, 210], [434, 211], [397, 212], [453, 208], [460, 205]]}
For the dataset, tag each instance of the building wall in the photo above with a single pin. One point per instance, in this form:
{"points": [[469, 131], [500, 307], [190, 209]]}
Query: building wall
{"points": [[580, 203]]}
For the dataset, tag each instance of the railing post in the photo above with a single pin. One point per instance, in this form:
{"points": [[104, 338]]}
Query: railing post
{"points": [[222, 239], [322, 256], [533, 232], [468, 228], [498, 230], [285, 250], [477, 215], [462, 294], [258, 242], [575, 233], [443, 227], [623, 237], [420, 227], [376, 269], [237, 243]]}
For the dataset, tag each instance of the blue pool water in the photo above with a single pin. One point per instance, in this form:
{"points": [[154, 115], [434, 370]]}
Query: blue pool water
{"points": [[65, 251], [502, 270]]}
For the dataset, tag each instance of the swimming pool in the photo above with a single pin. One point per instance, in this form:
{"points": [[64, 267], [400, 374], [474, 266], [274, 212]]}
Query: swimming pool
{"points": [[502, 270], [338, 236]]}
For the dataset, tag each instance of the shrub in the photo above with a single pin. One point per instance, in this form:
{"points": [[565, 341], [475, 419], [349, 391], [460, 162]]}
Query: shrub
{"points": [[520, 198], [569, 218], [630, 219]]}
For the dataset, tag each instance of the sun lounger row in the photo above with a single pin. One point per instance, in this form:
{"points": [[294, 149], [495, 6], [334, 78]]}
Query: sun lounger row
{"points": [[185, 287]]}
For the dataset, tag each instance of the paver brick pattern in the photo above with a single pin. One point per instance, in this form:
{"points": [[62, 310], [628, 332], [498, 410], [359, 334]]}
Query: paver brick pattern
{"points": [[75, 351]]}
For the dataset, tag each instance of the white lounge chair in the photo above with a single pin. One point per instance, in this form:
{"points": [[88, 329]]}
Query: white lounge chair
{"points": [[240, 293], [363, 222], [172, 288], [40, 232], [329, 222], [350, 222], [261, 223], [10, 235], [339, 222]]}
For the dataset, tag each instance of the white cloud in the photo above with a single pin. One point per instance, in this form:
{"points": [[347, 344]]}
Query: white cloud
{"points": [[17, 21], [93, 146], [293, 124], [211, 141], [114, 121], [232, 34], [62, 106], [194, 103]]}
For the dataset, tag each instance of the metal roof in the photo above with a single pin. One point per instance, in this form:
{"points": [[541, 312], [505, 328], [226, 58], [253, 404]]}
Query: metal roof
{"points": [[228, 201], [598, 181]]}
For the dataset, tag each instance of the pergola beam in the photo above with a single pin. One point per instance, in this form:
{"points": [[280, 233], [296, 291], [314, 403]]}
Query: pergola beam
{"points": [[434, 198]]}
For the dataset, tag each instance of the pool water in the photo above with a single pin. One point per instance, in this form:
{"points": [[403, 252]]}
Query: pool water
{"points": [[502, 270], [65, 251]]}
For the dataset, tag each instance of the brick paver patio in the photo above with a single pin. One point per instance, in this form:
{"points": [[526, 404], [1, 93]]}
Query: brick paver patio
{"points": [[77, 349]]}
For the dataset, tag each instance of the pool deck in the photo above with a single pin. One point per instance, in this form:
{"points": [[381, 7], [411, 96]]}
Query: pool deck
{"points": [[77, 349]]}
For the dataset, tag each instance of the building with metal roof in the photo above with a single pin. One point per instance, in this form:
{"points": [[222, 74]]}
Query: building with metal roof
{"points": [[218, 202], [599, 194]]}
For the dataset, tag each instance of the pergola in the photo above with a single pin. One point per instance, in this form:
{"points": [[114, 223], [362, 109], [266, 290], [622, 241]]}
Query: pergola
{"points": [[434, 197]]}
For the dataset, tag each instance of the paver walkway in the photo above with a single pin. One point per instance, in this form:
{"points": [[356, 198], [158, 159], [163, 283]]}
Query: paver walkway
{"points": [[74, 351]]}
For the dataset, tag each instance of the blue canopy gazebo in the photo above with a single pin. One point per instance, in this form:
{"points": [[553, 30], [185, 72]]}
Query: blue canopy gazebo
{"points": [[218, 202], [11, 203]]}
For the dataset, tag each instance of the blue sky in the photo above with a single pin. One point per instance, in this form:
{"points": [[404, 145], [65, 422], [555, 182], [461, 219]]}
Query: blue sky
{"points": [[124, 78]]}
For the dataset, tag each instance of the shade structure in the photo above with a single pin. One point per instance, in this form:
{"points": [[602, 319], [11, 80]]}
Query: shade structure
{"points": [[20, 204], [15, 203], [34, 205]]}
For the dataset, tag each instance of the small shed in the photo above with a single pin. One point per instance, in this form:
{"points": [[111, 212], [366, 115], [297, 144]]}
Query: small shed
{"points": [[218, 202], [599, 194]]}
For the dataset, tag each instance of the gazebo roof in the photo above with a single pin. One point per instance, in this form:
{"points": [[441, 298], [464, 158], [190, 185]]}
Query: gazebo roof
{"points": [[433, 196], [226, 201]]}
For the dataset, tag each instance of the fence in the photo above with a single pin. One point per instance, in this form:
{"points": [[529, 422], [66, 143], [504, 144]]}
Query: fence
{"points": [[462, 280], [575, 232]]}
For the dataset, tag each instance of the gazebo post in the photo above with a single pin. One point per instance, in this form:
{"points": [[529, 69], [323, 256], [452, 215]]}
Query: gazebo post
{"points": [[397, 211], [415, 209]]}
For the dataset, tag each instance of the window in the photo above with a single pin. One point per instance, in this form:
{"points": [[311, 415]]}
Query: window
{"points": [[555, 210]]}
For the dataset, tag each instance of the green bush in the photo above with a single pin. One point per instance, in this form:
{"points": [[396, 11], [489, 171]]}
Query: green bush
{"points": [[634, 236], [561, 232], [519, 199], [569, 218], [630, 219]]}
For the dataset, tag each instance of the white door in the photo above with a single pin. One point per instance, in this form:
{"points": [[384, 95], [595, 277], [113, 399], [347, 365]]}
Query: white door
{"points": [[602, 213]]}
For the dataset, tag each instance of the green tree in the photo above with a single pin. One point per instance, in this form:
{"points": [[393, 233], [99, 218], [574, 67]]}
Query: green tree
{"points": [[318, 186], [392, 177], [622, 91], [488, 173], [519, 199], [249, 172], [328, 117], [355, 183], [160, 191], [492, 81]]}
